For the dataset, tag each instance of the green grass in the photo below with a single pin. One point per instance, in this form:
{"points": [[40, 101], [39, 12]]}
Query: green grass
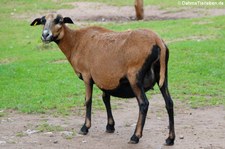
{"points": [[45, 127], [32, 81]]}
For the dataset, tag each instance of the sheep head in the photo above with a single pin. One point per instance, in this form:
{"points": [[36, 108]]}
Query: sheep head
{"points": [[53, 26]]}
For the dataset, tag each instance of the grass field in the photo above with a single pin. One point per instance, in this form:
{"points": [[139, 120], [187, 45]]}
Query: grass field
{"points": [[33, 81]]}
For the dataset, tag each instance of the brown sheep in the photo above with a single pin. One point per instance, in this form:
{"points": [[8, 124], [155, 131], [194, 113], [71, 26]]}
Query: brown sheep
{"points": [[122, 64]]}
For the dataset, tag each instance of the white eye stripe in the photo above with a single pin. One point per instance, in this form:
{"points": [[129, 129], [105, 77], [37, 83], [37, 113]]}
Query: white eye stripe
{"points": [[47, 25]]}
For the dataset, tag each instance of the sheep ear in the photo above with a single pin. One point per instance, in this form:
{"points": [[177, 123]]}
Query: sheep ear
{"points": [[36, 22], [67, 20]]}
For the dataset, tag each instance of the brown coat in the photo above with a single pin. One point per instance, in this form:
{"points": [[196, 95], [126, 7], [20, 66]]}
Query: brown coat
{"points": [[107, 56]]}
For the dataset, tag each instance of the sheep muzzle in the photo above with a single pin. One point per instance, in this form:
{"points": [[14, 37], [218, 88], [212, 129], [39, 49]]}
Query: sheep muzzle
{"points": [[47, 36]]}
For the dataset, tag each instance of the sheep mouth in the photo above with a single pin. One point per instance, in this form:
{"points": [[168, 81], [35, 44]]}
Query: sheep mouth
{"points": [[46, 40], [49, 39]]}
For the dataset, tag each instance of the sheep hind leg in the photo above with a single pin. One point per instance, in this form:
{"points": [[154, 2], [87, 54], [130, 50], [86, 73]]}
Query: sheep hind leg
{"points": [[110, 124], [143, 109], [169, 107]]}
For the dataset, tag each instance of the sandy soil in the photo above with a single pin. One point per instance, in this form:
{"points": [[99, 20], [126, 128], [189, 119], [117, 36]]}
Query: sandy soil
{"points": [[195, 128]]}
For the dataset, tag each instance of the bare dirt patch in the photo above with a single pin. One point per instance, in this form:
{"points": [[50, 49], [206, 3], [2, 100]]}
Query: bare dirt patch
{"points": [[7, 61], [100, 12], [195, 128], [88, 11]]}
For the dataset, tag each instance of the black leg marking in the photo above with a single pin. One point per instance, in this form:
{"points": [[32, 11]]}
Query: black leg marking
{"points": [[110, 122], [143, 109], [168, 100], [169, 107], [88, 104]]}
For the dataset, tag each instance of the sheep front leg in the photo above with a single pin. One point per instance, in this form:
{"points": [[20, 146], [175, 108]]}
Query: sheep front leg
{"points": [[110, 124], [88, 104]]}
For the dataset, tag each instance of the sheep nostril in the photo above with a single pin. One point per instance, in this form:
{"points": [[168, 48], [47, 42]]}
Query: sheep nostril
{"points": [[45, 34]]}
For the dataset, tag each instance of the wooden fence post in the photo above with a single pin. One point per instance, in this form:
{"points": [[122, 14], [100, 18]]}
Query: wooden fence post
{"points": [[138, 4]]}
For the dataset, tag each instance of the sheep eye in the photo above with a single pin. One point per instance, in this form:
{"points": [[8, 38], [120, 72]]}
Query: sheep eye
{"points": [[58, 20], [43, 20]]}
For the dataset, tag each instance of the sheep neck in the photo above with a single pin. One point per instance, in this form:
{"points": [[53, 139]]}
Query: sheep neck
{"points": [[66, 44]]}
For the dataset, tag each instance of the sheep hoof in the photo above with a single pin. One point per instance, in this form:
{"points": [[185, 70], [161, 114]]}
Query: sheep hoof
{"points": [[110, 128], [134, 140], [83, 130], [169, 142]]}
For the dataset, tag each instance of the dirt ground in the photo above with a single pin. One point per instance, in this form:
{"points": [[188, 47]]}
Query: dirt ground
{"points": [[89, 11], [195, 128]]}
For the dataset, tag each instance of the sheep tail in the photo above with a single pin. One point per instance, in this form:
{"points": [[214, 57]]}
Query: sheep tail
{"points": [[162, 61]]}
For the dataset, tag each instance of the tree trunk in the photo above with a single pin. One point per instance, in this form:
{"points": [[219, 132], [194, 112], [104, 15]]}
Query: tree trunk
{"points": [[138, 4]]}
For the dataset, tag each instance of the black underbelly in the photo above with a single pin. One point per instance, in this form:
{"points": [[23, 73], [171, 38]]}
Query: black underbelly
{"points": [[124, 90]]}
